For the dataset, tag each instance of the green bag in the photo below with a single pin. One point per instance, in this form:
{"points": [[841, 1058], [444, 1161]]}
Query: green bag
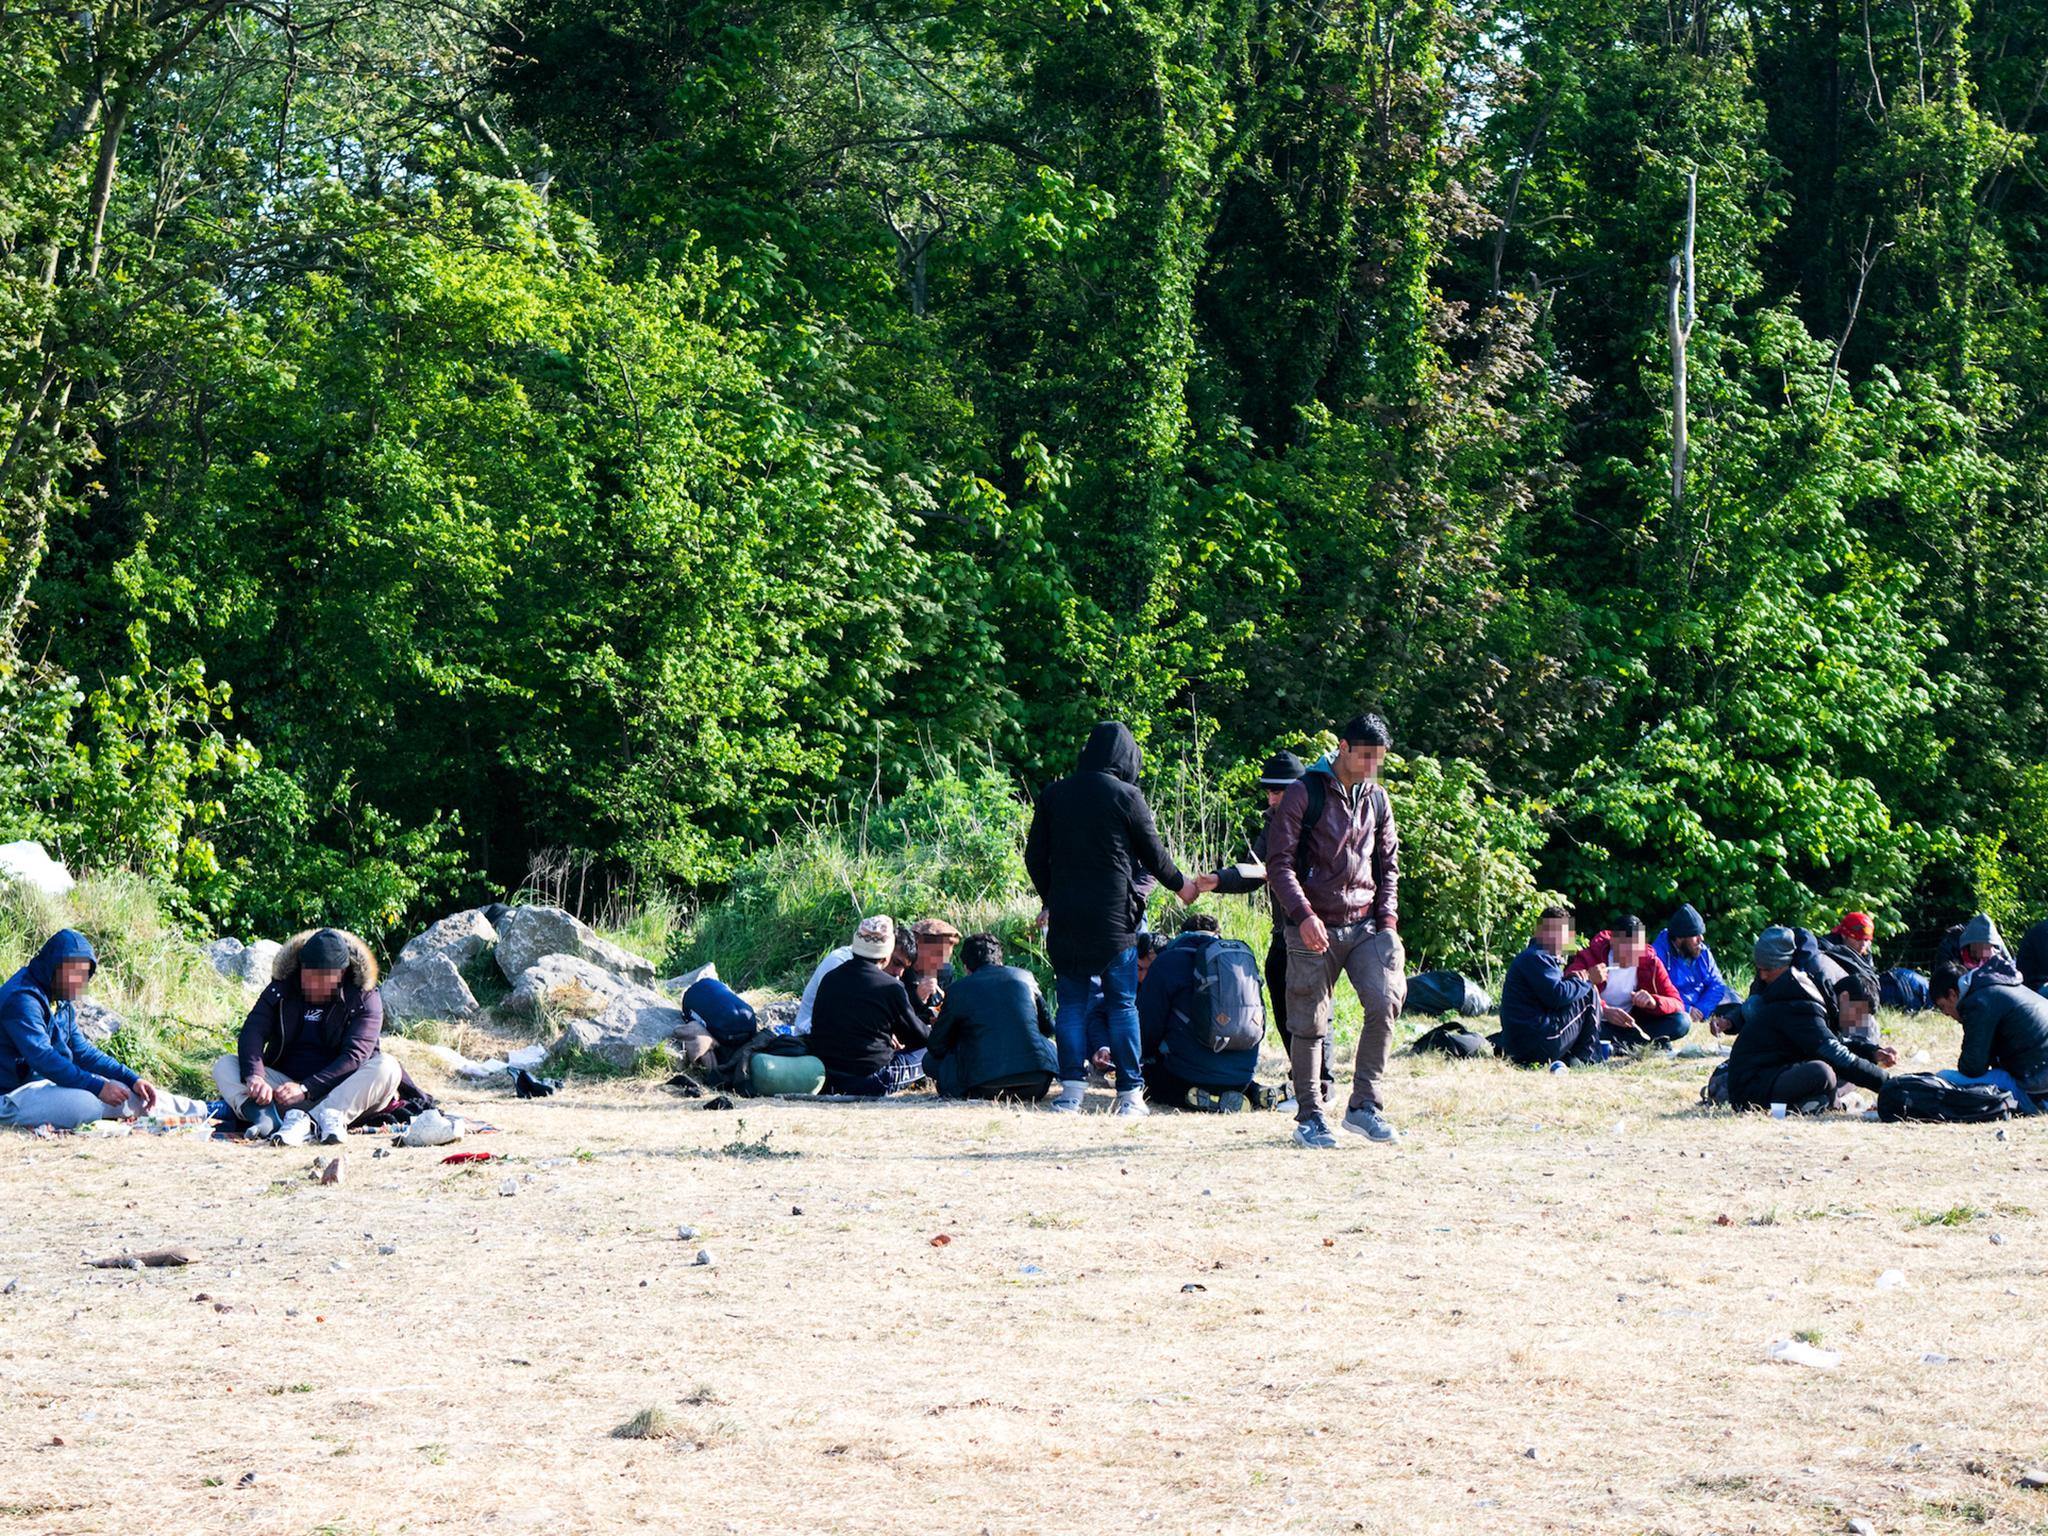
{"points": [[768, 1075]]}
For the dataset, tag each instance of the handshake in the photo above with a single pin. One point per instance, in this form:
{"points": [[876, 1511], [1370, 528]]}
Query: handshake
{"points": [[1197, 888]]}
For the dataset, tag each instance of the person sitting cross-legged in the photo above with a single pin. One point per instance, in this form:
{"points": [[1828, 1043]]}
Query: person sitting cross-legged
{"points": [[50, 1074], [994, 1035], [1689, 962], [309, 1062], [1784, 1051], [1545, 1015], [863, 1027], [1638, 1002], [2005, 1029], [1183, 1068]]}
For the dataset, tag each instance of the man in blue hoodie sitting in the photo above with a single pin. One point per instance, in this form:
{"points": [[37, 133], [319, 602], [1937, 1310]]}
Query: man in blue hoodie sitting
{"points": [[50, 1074], [1682, 946]]}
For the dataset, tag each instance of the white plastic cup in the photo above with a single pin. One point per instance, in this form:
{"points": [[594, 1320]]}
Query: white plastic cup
{"points": [[1777, 1111]]}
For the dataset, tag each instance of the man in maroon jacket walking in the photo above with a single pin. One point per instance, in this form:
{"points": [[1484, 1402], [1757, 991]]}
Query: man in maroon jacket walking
{"points": [[1333, 866]]}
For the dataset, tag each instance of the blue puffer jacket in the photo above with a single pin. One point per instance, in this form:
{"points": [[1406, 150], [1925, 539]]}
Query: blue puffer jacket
{"points": [[39, 1035], [1171, 1036]]}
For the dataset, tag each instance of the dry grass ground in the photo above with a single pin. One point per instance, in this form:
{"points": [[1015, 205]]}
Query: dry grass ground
{"points": [[1531, 1316]]}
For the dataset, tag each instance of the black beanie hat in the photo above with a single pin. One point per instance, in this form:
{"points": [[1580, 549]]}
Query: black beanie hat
{"points": [[1281, 770], [1685, 923], [325, 951]]}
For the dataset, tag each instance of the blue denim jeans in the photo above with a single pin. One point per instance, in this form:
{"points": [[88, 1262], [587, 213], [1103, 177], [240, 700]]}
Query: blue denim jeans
{"points": [[1119, 1000]]}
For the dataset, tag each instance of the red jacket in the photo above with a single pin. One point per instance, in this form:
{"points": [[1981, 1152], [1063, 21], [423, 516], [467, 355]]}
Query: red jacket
{"points": [[1651, 977]]}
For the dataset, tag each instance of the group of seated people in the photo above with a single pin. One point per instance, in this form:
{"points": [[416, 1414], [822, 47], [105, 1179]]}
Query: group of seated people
{"points": [[889, 1009], [308, 1062], [1807, 1031]]}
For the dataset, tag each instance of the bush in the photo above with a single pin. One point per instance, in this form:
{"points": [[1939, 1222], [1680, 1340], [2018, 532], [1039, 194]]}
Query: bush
{"points": [[952, 843]]}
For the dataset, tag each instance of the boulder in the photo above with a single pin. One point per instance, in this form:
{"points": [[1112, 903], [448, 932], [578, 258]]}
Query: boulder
{"points": [[600, 1013], [97, 1023], [558, 986], [528, 935], [30, 864], [247, 963], [428, 988], [461, 937]]}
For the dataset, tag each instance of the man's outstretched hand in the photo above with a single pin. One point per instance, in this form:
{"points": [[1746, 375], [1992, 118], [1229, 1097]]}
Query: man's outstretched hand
{"points": [[1190, 893]]}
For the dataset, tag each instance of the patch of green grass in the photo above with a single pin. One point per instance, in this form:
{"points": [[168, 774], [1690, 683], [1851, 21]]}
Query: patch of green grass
{"points": [[575, 1061], [1954, 1216], [647, 1424], [1808, 1336], [487, 984], [758, 1147], [1053, 1221], [436, 1454], [1974, 1511]]}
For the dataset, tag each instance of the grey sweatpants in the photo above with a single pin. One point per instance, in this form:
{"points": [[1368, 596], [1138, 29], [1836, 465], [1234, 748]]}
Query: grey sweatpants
{"points": [[370, 1087], [1376, 964], [65, 1109]]}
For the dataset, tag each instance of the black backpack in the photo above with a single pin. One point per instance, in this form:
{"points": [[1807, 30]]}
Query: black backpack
{"points": [[1440, 992], [1715, 1094], [1924, 1096], [1450, 1040], [1233, 1010]]}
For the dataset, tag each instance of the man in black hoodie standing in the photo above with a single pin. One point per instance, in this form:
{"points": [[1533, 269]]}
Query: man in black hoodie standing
{"points": [[1092, 838]]}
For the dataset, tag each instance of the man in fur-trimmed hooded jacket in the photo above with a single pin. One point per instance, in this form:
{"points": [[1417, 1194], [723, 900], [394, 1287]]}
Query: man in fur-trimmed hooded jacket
{"points": [[308, 1062]]}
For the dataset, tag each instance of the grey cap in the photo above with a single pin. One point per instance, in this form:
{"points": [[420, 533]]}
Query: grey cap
{"points": [[1981, 930], [1774, 948]]}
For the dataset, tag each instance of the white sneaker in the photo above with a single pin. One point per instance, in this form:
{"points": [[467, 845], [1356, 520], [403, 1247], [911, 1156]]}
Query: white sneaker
{"points": [[1131, 1103], [329, 1129], [1069, 1100], [296, 1130]]}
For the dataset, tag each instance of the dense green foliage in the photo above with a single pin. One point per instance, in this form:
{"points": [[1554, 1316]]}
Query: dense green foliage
{"points": [[436, 434]]}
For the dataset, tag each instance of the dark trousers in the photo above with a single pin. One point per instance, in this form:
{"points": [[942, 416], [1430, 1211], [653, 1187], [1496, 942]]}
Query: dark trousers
{"points": [[1164, 1086], [1276, 982], [1807, 1086]]}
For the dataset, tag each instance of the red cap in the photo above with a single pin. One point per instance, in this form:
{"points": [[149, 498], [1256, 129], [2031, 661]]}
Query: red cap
{"points": [[1857, 925]]}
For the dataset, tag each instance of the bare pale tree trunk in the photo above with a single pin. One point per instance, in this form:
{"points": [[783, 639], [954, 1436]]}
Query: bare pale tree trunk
{"points": [[1681, 315]]}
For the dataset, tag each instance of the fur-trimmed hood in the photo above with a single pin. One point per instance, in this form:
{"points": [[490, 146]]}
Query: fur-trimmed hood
{"points": [[362, 966]]}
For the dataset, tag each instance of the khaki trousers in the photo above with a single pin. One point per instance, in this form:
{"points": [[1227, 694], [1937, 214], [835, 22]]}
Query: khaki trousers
{"points": [[1376, 964]]}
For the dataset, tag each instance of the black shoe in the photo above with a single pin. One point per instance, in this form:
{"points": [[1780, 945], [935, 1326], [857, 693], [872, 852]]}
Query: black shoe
{"points": [[527, 1086], [687, 1086], [721, 1102]]}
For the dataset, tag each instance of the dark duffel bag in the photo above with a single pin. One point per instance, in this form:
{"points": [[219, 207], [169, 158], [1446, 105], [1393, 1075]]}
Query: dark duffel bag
{"points": [[1923, 1096]]}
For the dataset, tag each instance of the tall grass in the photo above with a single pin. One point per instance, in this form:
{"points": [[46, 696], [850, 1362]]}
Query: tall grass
{"points": [[178, 1012]]}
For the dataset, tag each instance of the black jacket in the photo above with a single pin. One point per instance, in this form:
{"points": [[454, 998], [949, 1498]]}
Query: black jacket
{"points": [[860, 1014], [2033, 955], [1092, 839], [1538, 1003], [2005, 1023], [1782, 1025], [995, 1031]]}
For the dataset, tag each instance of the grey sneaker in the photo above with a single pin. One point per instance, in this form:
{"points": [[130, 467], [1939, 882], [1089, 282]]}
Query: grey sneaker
{"points": [[296, 1130], [329, 1129], [1314, 1133], [1230, 1103], [1370, 1124], [1068, 1100], [264, 1126], [1130, 1103]]}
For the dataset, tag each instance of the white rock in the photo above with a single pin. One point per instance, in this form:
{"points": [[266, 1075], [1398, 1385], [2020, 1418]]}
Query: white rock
{"points": [[460, 936], [30, 864], [225, 956], [1892, 1280], [676, 986], [429, 987], [527, 1056], [530, 934], [1799, 1352]]}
